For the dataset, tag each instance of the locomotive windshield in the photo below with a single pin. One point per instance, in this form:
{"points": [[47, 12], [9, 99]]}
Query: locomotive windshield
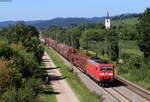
{"points": [[106, 68]]}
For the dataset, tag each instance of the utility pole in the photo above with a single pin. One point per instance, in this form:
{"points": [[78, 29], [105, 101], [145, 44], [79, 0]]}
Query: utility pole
{"points": [[87, 47], [120, 61], [56, 37], [96, 45], [86, 52], [71, 67], [72, 40], [119, 52]]}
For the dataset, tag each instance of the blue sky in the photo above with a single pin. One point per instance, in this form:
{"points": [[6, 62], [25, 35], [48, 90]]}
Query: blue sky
{"points": [[48, 9]]}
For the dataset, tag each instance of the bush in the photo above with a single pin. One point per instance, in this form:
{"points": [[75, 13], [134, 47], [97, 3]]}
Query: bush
{"points": [[34, 84], [36, 48], [132, 60], [40, 73], [4, 75], [19, 95], [114, 51]]}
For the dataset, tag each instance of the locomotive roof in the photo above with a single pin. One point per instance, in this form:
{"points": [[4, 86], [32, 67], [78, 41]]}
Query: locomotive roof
{"points": [[101, 61]]}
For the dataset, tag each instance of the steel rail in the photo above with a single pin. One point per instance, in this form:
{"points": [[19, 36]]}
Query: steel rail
{"points": [[135, 88]]}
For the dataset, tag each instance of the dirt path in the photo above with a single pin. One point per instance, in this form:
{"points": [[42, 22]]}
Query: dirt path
{"points": [[59, 84]]}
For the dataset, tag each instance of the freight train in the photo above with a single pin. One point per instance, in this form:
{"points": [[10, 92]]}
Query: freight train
{"points": [[100, 70]]}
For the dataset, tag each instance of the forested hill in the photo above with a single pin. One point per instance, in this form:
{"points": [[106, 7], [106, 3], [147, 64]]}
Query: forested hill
{"points": [[64, 22], [61, 22]]}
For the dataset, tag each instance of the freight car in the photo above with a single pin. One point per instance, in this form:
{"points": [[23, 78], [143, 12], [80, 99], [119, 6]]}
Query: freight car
{"points": [[100, 70]]}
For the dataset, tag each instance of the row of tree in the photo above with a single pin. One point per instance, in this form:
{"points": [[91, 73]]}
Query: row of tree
{"points": [[20, 56], [84, 35], [80, 36], [143, 28]]}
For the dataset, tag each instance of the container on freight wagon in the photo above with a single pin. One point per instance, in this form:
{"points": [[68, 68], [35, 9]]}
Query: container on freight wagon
{"points": [[100, 70]]}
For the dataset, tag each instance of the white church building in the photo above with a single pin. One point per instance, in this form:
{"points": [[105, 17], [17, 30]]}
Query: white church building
{"points": [[107, 21]]}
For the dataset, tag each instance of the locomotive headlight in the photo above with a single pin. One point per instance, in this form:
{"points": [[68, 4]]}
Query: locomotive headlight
{"points": [[111, 74], [101, 73]]}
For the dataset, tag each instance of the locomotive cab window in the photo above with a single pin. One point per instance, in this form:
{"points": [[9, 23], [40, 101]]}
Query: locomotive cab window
{"points": [[105, 68]]}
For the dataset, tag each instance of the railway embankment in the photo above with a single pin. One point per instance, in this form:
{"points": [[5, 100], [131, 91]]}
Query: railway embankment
{"points": [[82, 92]]}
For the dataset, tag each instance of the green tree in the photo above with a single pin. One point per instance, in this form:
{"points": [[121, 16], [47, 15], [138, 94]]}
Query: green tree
{"points": [[91, 36], [20, 55], [113, 40], [74, 34], [19, 95], [143, 28]]}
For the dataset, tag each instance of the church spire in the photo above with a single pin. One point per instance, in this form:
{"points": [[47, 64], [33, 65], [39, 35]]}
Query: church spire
{"points": [[107, 15]]}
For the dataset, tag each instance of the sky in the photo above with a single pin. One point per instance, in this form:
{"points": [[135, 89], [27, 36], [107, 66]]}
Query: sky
{"points": [[48, 9]]}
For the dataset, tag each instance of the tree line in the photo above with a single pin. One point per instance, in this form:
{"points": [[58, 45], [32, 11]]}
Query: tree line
{"points": [[83, 35], [20, 57], [76, 36]]}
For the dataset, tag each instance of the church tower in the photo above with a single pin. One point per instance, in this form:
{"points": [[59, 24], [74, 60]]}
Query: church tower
{"points": [[107, 21]]}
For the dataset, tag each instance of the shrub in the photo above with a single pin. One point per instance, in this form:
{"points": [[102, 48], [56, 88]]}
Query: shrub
{"points": [[4, 75], [132, 60], [34, 84], [19, 95]]}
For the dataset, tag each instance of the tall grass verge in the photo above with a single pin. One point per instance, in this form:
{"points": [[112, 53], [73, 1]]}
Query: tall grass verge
{"points": [[47, 95], [82, 92]]}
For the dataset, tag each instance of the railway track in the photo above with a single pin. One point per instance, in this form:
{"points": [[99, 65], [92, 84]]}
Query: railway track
{"points": [[135, 88], [118, 96]]}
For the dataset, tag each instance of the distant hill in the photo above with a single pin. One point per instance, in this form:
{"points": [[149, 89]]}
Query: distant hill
{"points": [[9, 23], [61, 22], [64, 22]]}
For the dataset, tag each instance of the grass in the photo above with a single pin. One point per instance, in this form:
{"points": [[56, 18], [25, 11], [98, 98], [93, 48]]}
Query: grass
{"points": [[130, 47], [47, 95], [133, 77], [127, 21], [129, 44], [126, 46], [84, 94]]}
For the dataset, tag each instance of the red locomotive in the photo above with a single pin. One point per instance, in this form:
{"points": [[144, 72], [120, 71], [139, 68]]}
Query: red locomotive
{"points": [[100, 70]]}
